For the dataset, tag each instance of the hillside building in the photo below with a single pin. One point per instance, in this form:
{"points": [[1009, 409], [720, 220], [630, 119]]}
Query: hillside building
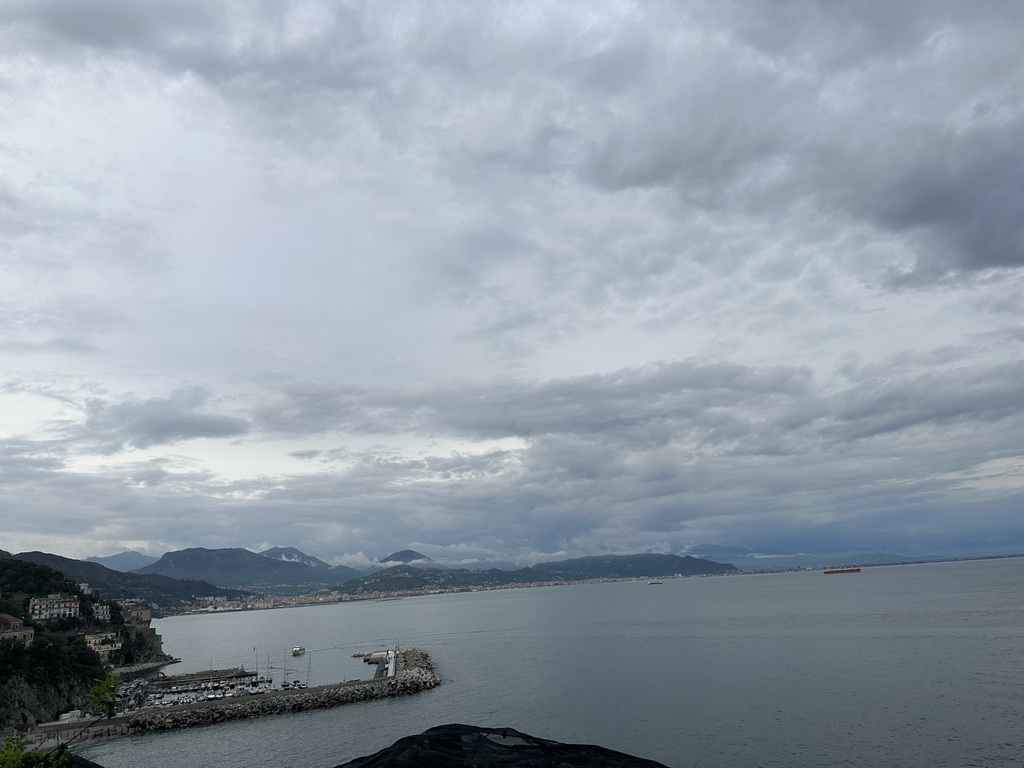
{"points": [[103, 644], [13, 629], [53, 607]]}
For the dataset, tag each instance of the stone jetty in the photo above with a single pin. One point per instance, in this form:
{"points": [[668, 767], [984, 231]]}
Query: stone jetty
{"points": [[413, 673]]}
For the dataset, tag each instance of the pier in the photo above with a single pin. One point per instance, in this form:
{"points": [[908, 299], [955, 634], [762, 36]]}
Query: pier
{"points": [[406, 671]]}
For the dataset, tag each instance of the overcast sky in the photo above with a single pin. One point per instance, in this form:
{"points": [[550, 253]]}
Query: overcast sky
{"points": [[511, 280]]}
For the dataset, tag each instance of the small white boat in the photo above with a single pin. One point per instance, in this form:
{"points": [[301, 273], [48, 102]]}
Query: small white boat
{"points": [[298, 650]]}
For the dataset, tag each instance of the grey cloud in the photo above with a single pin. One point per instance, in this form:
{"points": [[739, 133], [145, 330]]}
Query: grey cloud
{"points": [[142, 423], [110, 23], [716, 118], [588, 404], [704, 139], [27, 461], [711, 179], [58, 345], [701, 410], [903, 363], [223, 44], [982, 394], [37, 327], [586, 480], [314, 407], [845, 33], [961, 193]]}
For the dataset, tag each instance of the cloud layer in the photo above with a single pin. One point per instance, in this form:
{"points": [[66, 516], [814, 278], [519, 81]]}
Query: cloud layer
{"points": [[498, 281]]}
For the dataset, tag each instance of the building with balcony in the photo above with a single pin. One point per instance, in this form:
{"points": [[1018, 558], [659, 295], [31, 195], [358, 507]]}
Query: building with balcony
{"points": [[53, 607]]}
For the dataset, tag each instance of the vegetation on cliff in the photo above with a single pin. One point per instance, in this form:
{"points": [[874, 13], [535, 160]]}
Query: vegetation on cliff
{"points": [[55, 671]]}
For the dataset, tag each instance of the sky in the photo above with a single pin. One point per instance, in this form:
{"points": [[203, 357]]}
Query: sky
{"points": [[511, 281]]}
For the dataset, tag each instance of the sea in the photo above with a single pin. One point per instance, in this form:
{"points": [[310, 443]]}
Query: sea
{"points": [[913, 665]]}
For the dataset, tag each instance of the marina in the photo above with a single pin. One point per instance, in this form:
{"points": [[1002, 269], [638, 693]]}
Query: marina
{"points": [[216, 696]]}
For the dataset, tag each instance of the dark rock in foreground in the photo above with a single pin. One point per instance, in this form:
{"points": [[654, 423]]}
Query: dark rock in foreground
{"points": [[467, 745]]}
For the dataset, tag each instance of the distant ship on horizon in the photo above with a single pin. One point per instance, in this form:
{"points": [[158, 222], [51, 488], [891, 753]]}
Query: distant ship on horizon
{"points": [[842, 570]]}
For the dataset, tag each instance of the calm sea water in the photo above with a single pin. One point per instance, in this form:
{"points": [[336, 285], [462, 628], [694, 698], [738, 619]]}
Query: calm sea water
{"points": [[917, 665]]}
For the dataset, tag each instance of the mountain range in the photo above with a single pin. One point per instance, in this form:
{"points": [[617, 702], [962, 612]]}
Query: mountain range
{"points": [[406, 569], [409, 577], [750, 559], [157, 589], [292, 555], [180, 576], [287, 570], [241, 568], [124, 561]]}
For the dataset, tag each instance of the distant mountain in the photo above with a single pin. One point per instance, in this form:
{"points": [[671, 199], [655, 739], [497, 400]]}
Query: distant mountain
{"points": [[405, 556], [341, 573], [124, 561], [408, 577], [402, 557], [241, 568], [629, 566], [750, 559], [159, 590], [717, 551], [292, 555]]}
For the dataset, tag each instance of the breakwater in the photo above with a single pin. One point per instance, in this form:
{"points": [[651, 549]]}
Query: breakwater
{"points": [[413, 673]]}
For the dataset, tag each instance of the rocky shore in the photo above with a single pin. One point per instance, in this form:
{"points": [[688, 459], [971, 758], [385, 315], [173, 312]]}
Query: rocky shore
{"points": [[475, 747], [413, 673]]}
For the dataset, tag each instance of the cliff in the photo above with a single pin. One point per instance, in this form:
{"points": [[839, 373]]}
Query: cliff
{"points": [[24, 704]]}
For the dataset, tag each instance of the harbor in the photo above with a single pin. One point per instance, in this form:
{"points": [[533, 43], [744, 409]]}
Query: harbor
{"points": [[236, 694]]}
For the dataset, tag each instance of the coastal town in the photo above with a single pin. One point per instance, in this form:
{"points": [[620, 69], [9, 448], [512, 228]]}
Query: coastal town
{"points": [[60, 645], [136, 614]]}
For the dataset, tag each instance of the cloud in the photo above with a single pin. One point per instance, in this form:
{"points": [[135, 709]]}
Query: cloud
{"points": [[957, 196], [504, 280], [144, 423], [73, 346]]}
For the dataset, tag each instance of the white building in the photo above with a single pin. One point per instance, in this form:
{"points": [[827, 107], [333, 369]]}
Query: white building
{"points": [[53, 607]]}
